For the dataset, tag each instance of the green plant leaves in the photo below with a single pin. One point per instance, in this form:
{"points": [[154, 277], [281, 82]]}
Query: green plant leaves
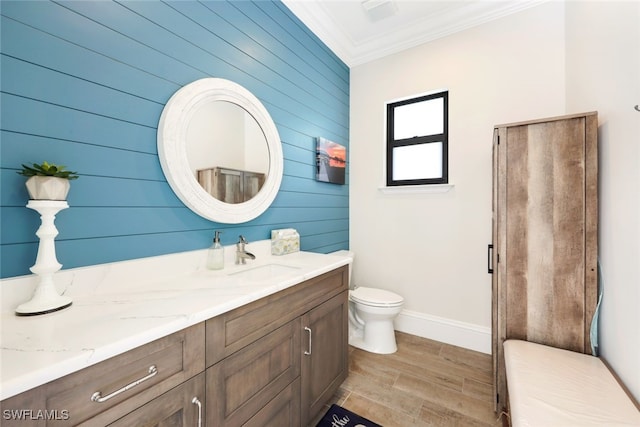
{"points": [[47, 169]]}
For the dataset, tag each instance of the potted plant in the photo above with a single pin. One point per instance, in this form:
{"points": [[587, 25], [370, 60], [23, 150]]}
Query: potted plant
{"points": [[47, 181]]}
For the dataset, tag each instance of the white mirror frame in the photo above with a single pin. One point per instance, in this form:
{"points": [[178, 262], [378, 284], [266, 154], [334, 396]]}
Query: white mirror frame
{"points": [[172, 150]]}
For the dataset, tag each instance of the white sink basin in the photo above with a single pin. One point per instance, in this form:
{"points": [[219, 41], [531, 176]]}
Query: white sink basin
{"points": [[264, 272]]}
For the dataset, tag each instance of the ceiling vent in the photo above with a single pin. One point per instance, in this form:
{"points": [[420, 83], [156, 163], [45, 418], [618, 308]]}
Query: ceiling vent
{"points": [[379, 9]]}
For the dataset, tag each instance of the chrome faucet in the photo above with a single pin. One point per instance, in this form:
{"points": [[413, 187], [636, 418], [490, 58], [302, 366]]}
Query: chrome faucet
{"points": [[241, 253]]}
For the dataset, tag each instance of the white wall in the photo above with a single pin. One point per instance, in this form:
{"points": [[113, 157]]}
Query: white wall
{"points": [[431, 248], [222, 134], [216, 136], [603, 74]]}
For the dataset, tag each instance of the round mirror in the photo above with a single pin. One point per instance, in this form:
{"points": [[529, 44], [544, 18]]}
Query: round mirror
{"points": [[220, 150]]}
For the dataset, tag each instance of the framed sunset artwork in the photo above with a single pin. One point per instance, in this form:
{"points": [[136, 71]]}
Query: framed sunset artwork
{"points": [[331, 161]]}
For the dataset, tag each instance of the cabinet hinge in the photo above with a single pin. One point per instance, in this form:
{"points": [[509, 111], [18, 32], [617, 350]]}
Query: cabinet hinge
{"points": [[498, 258], [498, 139]]}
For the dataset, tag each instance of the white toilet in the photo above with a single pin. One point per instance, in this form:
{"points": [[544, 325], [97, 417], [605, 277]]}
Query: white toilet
{"points": [[371, 315]]}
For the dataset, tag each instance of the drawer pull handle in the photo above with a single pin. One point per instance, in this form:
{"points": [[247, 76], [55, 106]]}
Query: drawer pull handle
{"points": [[308, 352], [196, 401], [97, 396]]}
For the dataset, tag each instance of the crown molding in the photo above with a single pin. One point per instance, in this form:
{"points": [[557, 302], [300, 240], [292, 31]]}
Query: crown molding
{"points": [[320, 22], [318, 19]]}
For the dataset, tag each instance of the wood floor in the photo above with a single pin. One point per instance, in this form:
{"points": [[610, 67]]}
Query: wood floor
{"points": [[425, 383]]}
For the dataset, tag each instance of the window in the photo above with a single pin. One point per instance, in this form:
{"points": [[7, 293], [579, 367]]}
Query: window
{"points": [[417, 135]]}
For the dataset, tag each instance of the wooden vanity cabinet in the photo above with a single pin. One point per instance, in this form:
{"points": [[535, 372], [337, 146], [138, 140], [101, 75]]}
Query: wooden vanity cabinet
{"points": [[231, 331], [293, 343], [73, 399], [273, 362]]}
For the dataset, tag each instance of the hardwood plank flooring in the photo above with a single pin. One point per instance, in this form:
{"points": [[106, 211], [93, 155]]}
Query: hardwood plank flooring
{"points": [[425, 383]]}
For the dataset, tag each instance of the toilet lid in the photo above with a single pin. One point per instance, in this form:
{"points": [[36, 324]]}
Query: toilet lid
{"points": [[373, 296]]}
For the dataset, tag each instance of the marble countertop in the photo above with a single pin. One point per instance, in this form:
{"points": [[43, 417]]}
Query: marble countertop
{"points": [[117, 307]]}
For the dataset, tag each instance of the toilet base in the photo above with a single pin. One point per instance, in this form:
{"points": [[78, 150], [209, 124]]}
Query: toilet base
{"points": [[359, 343], [379, 339]]}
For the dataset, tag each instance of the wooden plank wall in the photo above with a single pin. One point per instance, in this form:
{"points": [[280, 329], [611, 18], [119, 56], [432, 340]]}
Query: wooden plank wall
{"points": [[84, 84]]}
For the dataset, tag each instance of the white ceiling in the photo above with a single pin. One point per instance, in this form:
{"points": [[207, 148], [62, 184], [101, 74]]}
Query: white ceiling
{"points": [[358, 36]]}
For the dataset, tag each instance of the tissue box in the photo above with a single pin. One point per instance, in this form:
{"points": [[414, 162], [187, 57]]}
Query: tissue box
{"points": [[284, 241]]}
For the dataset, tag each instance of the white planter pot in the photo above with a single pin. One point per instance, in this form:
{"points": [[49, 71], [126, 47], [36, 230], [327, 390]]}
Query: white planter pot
{"points": [[48, 188]]}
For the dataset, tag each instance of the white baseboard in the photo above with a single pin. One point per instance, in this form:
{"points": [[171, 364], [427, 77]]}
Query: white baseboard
{"points": [[448, 331]]}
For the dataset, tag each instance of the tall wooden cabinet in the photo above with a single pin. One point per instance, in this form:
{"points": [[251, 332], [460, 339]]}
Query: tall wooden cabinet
{"points": [[544, 259], [231, 185]]}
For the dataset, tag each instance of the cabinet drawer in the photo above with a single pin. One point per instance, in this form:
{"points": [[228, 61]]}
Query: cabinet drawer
{"points": [[181, 406], [242, 384], [121, 383], [282, 411], [234, 330]]}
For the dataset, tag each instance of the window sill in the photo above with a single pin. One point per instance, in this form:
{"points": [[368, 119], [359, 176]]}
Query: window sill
{"points": [[417, 189]]}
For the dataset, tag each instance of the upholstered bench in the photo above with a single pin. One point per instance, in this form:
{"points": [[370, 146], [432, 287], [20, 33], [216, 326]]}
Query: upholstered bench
{"points": [[553, 387]]}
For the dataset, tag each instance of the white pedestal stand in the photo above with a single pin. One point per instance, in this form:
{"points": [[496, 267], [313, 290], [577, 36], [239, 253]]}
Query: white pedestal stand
{"points": [[45, 298]]}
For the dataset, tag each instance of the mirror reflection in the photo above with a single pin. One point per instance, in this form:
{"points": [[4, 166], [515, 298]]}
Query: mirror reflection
{"points": [[220, 129], [227, 151]]}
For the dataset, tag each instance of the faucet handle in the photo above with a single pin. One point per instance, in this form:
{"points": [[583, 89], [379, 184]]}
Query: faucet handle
{"points": [[241, 239]]}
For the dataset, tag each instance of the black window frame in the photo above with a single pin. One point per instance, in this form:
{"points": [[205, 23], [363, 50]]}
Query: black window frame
{"points": [[441, 137]]}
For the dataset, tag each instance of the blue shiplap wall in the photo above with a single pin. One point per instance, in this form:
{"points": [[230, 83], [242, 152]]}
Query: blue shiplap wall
{"points": [[84, 83]]}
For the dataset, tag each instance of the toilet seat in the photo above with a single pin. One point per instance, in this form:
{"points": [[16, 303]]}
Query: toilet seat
{"points": [[375, 297]]}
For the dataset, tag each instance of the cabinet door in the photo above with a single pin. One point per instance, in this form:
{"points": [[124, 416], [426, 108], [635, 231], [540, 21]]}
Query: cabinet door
{"points": [[229, 186], [545, 229], [241, 385], [545, 233], [182, 406], [325, 349], [252, 183]]}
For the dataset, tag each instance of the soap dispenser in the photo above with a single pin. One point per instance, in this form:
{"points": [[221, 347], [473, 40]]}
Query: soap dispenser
{"points": [[215, 257]]}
